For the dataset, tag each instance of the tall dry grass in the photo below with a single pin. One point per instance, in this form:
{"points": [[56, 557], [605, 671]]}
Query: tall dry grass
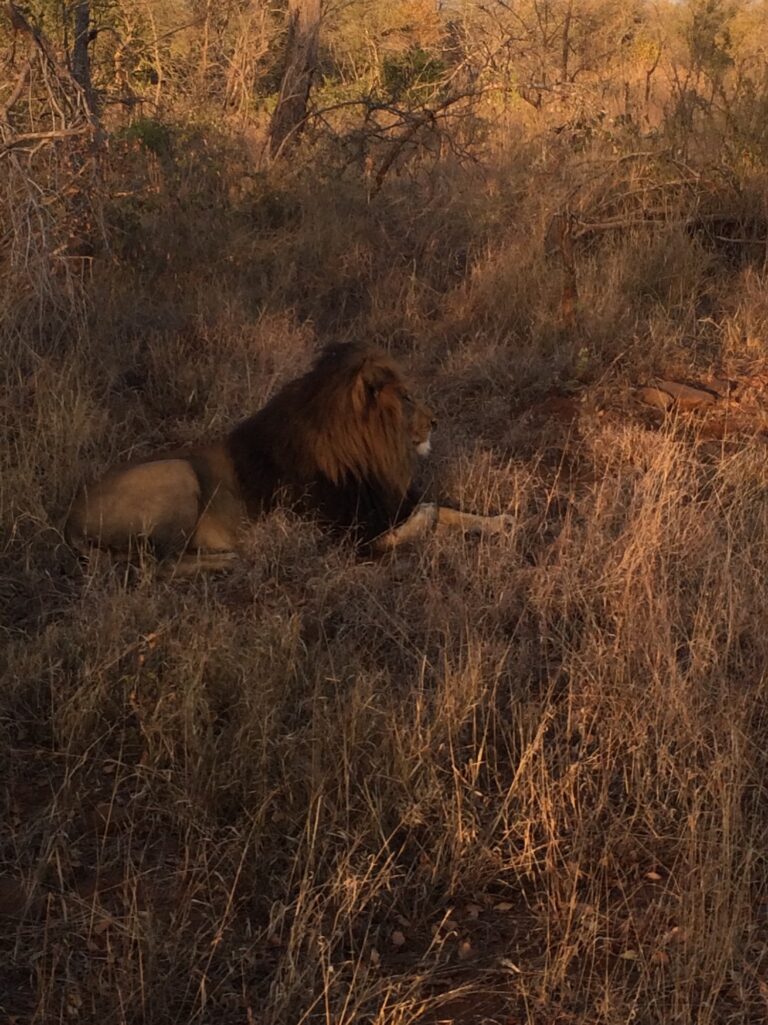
{"points": [[520, 780]]}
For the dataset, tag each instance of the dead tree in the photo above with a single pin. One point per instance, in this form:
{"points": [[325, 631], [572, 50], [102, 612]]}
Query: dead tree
{"points": [[81, 61], [49, 150], [299, 69]]}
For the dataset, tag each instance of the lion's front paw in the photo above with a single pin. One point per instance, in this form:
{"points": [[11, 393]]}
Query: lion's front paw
{"points": [[492, 525]]}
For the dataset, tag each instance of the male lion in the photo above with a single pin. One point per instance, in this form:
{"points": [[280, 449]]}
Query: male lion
{"points": [[340, 442]]}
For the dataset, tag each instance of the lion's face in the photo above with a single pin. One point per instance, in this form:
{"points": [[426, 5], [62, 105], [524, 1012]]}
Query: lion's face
{"points": [[420, 420]]}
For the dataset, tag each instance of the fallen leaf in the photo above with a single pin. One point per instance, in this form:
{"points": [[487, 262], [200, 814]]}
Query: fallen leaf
{"points": [[397, 938], [465, 950], [629, 955], [653, 876], [503, 906]]}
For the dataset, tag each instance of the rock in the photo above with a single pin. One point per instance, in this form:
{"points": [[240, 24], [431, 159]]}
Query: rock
{"points": [[686, 397], [655, 397]]}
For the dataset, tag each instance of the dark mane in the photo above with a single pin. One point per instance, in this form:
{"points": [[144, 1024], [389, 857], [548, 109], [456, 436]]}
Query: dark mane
{"points": [[334, 441]]}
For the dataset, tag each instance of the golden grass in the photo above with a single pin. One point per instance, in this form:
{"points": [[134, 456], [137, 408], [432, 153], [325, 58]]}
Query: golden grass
{"points": [[511, 781]]}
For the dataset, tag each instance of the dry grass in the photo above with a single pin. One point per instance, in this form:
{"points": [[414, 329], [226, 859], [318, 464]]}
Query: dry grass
{"points": [[510, 781]]}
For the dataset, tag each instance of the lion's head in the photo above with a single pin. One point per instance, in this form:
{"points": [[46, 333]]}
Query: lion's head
{"points": [[348, 433], [373, 425]]}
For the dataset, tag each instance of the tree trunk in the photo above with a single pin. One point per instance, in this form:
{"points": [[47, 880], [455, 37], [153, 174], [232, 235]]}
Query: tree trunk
{"points": [[81, 62], [300, 65], [566, 42]]}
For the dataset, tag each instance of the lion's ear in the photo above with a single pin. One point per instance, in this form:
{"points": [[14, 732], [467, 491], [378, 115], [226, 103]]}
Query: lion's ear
{"points": [[371, 378], [374, 376]]}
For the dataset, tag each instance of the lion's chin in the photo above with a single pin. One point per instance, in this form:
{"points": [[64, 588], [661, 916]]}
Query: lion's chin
{"points": [[424, 448]]}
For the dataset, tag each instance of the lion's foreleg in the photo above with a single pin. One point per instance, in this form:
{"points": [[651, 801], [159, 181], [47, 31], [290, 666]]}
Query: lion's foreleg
{"points": [[428, 516], [472, 523], [423, 519]]}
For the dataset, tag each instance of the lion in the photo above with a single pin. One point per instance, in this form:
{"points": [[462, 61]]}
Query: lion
{"points": [[341, 443]]}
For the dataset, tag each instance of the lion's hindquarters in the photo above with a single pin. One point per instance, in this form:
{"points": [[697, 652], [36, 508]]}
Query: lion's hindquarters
{"points": [[159, 501], [222, 515]]}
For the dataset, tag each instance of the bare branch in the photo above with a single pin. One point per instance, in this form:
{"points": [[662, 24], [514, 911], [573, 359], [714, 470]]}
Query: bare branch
{"points": [[17, 141], [18, 89]]}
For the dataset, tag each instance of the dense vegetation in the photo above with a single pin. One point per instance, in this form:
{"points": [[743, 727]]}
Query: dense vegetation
{"points": [[516, 780]]}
